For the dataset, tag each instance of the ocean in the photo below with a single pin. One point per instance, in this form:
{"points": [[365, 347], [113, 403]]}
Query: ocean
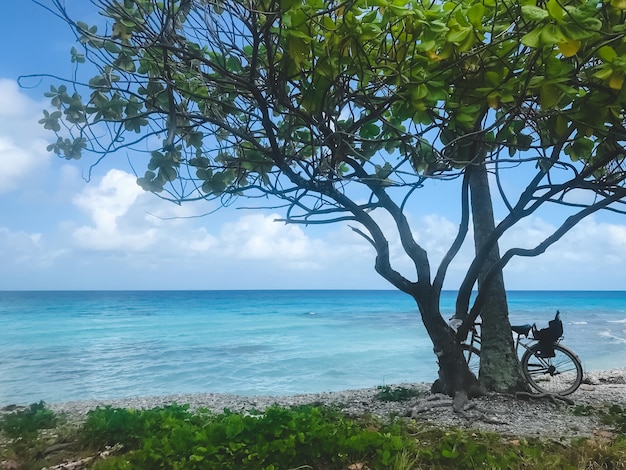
{"points": [[61, 346]]}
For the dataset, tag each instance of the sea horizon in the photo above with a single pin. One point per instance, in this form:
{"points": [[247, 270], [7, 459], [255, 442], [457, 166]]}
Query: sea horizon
{"points": [[292, 289]]}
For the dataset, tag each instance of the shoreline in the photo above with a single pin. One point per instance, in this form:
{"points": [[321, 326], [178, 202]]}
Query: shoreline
{"points": [[538, 418], [613, 376]]}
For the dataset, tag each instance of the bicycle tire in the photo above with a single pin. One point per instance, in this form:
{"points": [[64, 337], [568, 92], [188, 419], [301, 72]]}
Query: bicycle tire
{"points": [[472, 357], [558, 375]]}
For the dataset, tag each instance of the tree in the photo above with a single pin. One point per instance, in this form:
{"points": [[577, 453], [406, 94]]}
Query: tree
{"points": [[345, 109]]}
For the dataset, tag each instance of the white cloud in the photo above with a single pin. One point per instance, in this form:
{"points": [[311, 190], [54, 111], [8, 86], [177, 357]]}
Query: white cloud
{"points": [[13, 102], [16, 163], [125, 218], [260, 237], [588, 242], [23, 154], [22, 250], [106, 204], [591, 256]]}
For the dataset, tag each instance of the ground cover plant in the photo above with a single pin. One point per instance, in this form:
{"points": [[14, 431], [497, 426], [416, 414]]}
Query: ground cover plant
{"points": [[277, 438], [614, 415], [28, 421], [304, 437], [390, 393]]}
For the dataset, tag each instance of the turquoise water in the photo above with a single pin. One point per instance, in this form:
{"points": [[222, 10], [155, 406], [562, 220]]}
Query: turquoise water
{"points": [[61, 346]]}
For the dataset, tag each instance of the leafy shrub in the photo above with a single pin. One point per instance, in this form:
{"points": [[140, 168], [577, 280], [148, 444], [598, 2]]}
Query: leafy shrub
{"points": [[387, 393], [277, 438], [28, 421], [584, 410], [302, 437], [616, 417], [106, 426]]}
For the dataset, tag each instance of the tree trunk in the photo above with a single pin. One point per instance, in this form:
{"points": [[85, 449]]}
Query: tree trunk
{"points": [[454, 374], [499, 365]]}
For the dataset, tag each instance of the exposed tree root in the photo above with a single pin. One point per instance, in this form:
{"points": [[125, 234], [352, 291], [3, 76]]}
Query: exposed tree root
{"points": [[460, 405], [85, 462], [429, 404], [554, 398]]}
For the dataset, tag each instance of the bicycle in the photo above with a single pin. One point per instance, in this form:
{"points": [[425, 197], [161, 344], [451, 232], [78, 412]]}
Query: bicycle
{"points": [[548, 366]]}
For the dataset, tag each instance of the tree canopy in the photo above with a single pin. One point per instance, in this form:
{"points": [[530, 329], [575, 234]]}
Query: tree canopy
{"points": [[345, 108]]}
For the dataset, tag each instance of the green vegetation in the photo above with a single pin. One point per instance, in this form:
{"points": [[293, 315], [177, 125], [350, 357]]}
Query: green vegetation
{"points": [[277, 438], [613, 415], [304, 437], [389, 393], [28, 421], [616, 417]]}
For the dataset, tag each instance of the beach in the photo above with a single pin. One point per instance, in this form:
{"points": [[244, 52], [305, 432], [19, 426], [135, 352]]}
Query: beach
{"points": [[501, 413]]}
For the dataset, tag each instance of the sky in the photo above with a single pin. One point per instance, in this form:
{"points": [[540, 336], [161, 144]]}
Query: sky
{"points": [[59, 231]]}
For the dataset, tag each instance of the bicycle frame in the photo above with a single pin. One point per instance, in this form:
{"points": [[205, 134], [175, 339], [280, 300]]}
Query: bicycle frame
{"points": [[521, 341]]}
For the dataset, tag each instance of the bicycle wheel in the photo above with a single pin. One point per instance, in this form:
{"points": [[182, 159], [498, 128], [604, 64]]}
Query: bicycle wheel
{"points": [[472, 357], [558, 375]]}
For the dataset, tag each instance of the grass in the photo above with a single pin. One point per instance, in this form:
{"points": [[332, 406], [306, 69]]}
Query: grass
{"points": [[304, 437]]}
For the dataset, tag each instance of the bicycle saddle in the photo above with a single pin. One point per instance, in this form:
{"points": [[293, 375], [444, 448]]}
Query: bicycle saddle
{"points": [[522, 329]]}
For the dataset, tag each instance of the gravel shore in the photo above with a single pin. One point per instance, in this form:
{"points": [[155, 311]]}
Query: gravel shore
{"points": [[501, 413]]}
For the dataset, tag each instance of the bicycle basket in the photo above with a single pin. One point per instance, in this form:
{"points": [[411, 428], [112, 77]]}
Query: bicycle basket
{"points": [[556, 326], [548, 337]]}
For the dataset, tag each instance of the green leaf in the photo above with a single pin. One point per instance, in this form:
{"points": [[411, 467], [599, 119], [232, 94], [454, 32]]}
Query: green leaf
{"points": [[369, 130], [77, 57], [607, 54], [459, 35], [524, 141], [437, 26], [369, 17], [168, 173], [125, 62], [551, 34], [549, 96], [534, 13], [532, 38], [554, 9], [150, 182], [194, 139], [493, 78], [203, 174], [112, 47], [580, 149], [82, 26], [619, 4], [419, 92], [50, 121], [604, 73], [475, 15], [449, 453]]}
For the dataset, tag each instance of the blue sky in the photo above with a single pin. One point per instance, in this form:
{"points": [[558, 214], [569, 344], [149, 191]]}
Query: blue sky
{"points": [[58, 231]]}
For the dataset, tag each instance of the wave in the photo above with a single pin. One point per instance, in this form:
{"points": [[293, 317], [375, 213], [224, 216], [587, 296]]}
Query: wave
{"points": [[617, 321], [579, 323], [608, 334]]}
